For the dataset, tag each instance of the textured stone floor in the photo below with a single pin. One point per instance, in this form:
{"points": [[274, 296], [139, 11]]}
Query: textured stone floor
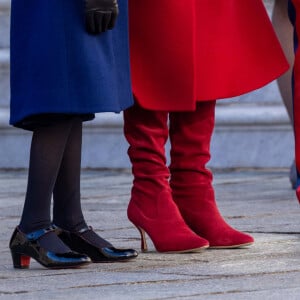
{"points": [[258, 201]]}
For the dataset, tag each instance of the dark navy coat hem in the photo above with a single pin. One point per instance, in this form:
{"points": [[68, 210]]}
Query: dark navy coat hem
{"points": [[57, 67], [86, 115]]}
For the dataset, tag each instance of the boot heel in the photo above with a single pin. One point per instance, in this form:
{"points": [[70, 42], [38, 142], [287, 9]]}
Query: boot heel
{"points": [[144, 246], [20, 261]]}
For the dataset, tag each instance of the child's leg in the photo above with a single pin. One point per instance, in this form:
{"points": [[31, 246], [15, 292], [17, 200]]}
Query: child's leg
{"points": [[47, 148], [67, 212], [35, 237]]}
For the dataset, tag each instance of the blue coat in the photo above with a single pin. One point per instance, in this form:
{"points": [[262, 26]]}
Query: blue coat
{"points": [[57, 67]]}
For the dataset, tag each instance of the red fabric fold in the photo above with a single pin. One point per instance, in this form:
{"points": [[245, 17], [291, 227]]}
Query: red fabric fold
{"points": [[186, 51]]}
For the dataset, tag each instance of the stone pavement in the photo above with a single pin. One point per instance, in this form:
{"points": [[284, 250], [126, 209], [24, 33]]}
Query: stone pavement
{"points": [[258, 201]]}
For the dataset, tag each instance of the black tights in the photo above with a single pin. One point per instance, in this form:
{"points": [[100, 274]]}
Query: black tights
{"points": [[54, 169], [55, 160]]}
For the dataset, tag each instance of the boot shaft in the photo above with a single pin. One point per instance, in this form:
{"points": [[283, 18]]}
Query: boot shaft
{"points": [[146, 132], [190, 136]]}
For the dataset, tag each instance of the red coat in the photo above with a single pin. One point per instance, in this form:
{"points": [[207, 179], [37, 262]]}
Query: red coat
{"points": [[183, 51]]}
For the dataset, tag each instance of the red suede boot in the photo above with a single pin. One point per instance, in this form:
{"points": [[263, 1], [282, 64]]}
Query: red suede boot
{"points": [[151, 208], [191, 182]]}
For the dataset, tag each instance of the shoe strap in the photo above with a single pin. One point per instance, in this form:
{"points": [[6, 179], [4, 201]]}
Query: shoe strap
{"points": [[35, 235], [80, 231]]}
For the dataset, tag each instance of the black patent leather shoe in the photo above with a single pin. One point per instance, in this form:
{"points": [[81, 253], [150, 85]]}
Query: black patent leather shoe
{"points": [[107, 253], [25, 246]]}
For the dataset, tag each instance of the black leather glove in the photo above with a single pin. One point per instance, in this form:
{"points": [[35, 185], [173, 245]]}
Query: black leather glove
{"points": [[100, 15]]}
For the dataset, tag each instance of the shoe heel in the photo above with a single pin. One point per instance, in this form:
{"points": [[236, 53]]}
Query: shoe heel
{"points": [[144, 246], [20, 261]]}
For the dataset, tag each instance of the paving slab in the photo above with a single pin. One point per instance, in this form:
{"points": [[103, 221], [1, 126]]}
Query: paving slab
{"points": [[257, 201]]}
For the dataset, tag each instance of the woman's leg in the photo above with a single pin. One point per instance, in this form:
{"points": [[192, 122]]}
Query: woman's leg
{"points": [[191, 181], [284, 30], [151, 207], [294, 10]]}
